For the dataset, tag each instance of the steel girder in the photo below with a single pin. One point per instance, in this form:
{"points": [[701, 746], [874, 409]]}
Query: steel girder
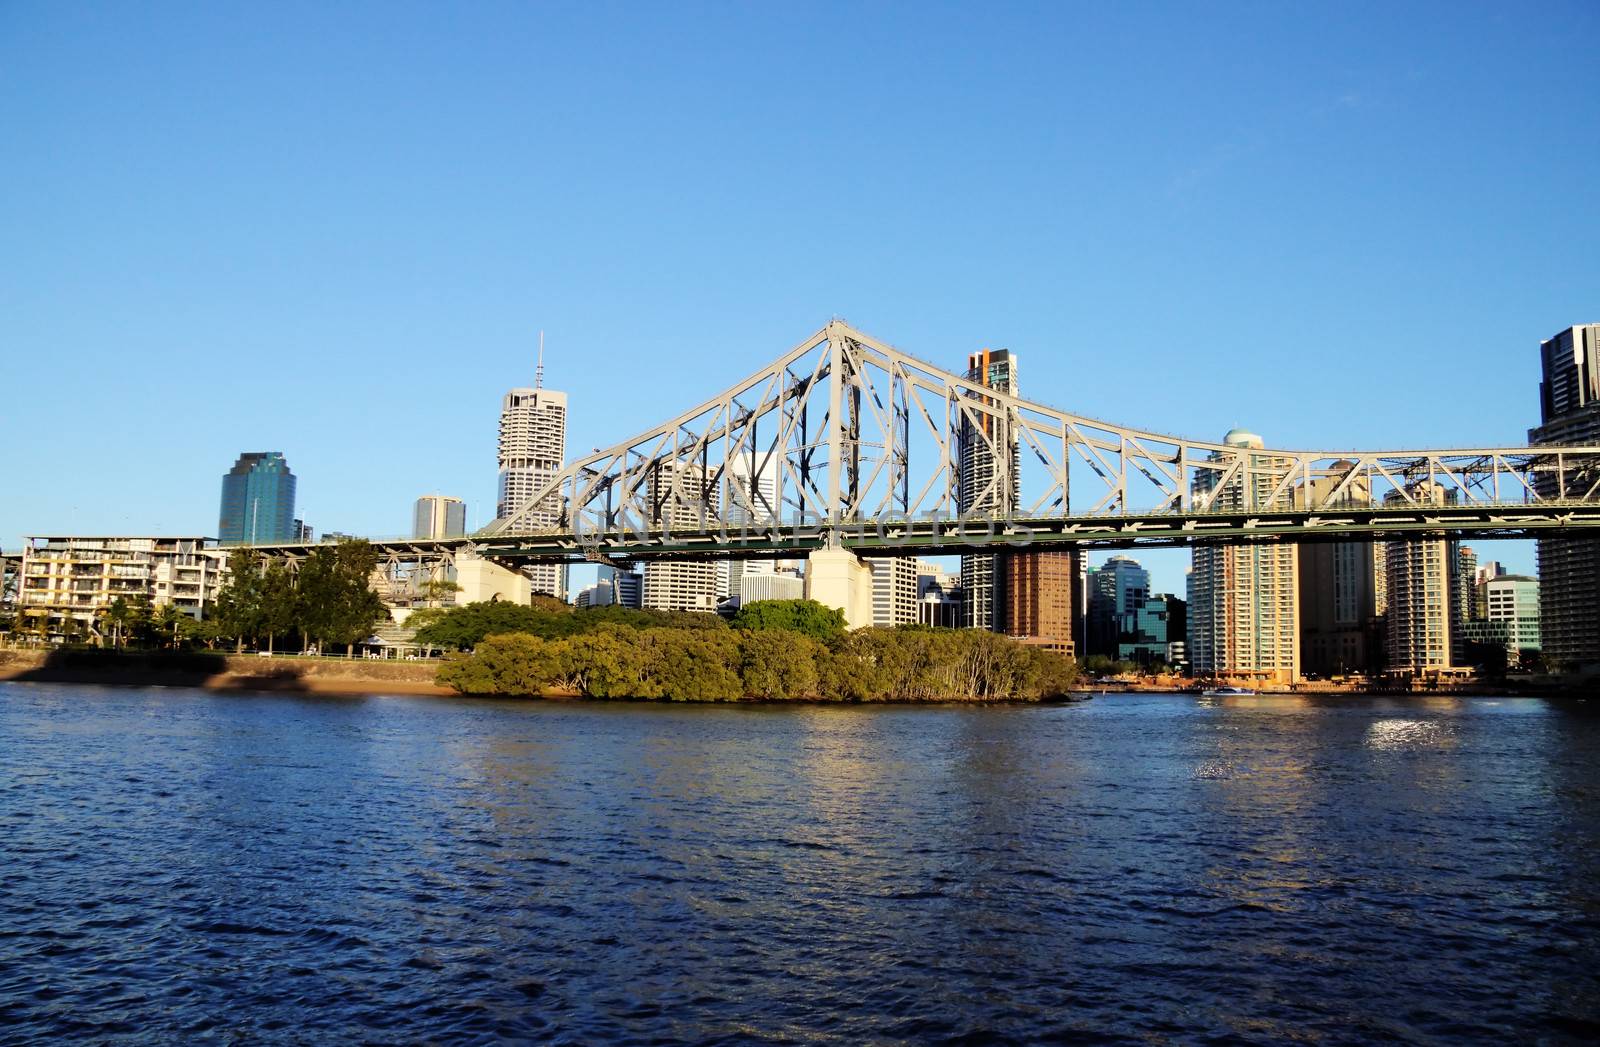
{"points": [[844, 429]]}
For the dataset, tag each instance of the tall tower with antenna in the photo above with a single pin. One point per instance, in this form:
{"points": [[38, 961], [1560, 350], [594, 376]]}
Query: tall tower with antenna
{"points": [[532, 449]]}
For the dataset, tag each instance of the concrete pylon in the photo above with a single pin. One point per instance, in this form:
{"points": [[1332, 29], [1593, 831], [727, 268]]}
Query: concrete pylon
{"points": [[837, 578], [482, 580]]}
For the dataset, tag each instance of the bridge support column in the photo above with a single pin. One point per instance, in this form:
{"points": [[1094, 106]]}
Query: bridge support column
{"points": [[837, 578], [482, 580]]}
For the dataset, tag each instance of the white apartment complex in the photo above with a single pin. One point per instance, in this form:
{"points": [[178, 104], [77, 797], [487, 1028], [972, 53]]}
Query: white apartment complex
{"points": [[79, 577], [1422, 597]]}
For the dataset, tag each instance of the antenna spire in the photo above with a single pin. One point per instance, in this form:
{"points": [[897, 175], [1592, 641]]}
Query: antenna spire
{"points": [[538, 374]]}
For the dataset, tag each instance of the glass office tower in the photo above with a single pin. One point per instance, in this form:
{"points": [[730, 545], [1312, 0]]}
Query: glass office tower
{"points": [[257, 500]]}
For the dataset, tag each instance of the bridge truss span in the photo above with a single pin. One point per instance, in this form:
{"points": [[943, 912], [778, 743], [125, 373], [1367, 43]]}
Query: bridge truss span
{"points": [[844, 433]]}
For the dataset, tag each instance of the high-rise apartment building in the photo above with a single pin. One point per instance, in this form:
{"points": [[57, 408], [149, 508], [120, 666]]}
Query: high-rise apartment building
{"points": [[533, 446], [257, 501], [1040, 592], [986, 484], [1244, 600], [436, 516], [1339, 627], [1423, 618], [1569, 568], [1463, 597], [894, 590], [685, 502]]}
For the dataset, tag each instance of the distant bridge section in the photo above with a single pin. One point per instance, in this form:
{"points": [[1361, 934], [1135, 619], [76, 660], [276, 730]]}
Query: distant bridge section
{"points": [[845, 442]]}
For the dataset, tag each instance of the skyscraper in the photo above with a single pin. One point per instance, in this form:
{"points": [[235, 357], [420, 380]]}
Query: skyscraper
{"points": [[1117, 589], [986, 484], [1569, 568], [1041, 607], [533, 446], [1339, 595], [1422, 620], [1463, 597], [437, 516], [1244, 600], [257, 500]]}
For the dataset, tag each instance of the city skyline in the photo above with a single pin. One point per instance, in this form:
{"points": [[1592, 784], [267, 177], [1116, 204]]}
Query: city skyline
{"points": [[1237, 218]]}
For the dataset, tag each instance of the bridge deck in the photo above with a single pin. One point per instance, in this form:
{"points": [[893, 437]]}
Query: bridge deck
{"points": [[944, 537]]}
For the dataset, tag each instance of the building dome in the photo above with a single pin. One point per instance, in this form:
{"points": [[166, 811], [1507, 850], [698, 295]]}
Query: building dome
{"points": [[1243, 438]]}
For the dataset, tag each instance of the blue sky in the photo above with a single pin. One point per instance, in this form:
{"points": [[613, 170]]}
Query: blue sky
{"points": [[336, 230]]}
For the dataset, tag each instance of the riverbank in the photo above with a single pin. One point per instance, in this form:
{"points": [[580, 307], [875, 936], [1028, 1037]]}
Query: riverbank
{"points": [[216, 671], [1519, 687], [219, 671]]}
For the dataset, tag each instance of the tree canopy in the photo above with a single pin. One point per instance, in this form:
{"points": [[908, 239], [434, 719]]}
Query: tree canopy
{"points": [[824, 624], [698, 664], [463, 628], [328, 600]]}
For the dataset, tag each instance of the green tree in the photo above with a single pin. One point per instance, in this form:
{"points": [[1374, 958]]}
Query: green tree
{"points": [[509, 663], [139, 622], [609, 663], [691, 665], [278, 602], [316, 594], [199, 630], [463, 628], [824, 624], [633, 660], [773, 664], [118, 614], [437, 591], [355, 610], [238, 606], [166, 624]]}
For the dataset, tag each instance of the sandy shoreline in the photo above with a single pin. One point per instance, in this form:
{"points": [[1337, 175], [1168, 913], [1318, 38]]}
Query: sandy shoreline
{"points": [[217, 671]]}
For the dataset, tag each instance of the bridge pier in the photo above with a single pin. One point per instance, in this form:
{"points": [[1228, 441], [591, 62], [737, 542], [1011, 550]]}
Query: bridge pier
{"points": [[839, 579], [482, 580]]}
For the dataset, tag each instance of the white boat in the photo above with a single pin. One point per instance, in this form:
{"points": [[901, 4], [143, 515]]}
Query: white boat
{"points": [[1225, 692]]}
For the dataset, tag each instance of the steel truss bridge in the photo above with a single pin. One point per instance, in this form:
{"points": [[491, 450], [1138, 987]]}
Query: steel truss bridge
{"points": [[847, 442]]}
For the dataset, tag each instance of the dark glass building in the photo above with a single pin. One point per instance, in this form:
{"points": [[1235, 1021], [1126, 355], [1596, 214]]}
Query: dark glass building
{"points": [[257, 500]]}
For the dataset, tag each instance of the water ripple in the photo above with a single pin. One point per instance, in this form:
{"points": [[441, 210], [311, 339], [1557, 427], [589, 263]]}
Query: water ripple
{"points": [[180, 866]]}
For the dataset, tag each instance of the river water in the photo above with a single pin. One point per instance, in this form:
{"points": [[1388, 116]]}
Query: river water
{"points": [[177, 865]]}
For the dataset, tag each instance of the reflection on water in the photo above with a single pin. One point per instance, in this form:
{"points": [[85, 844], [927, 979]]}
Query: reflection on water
{"points": [[1409, 734], [179, 865]]}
